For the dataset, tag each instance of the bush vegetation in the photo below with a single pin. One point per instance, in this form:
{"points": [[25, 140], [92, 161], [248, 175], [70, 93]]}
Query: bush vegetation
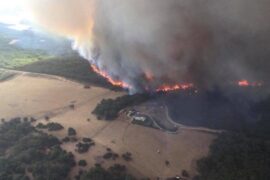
{"points": [[52, 126], [25, 149], [83, 147], [110, 155], [82, 163], [87, 140], [235, 156], [66, 140], [127, 156], [241, 155], [185, 173], [108, 109], [72, 67], [116, 172], [71, 132]]}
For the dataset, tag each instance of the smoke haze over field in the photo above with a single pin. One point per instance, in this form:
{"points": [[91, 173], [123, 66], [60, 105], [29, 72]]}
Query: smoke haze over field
{"points": [[150, 43]]}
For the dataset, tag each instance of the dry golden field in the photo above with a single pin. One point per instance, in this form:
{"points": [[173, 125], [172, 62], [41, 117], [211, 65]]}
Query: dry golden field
{"points": [[42, 95]]}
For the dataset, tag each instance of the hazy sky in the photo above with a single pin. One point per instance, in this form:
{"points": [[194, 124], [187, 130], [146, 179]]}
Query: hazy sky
{"points": [[12, 12]]}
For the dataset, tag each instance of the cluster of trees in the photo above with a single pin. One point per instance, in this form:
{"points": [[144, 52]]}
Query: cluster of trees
{"points": [[71, 136], [24, 149], [84, 146], [110, 154], [261, 128], [108, 109], [69, 139], [243, 154], [52, 126], [116, 172], [236, 156], [11, 132]]}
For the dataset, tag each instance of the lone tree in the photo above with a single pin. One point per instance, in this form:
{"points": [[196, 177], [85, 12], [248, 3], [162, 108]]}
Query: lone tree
{"points": [[47, 118], [82, 163], [127, 156], [185, 174], [87, 140], [72, 131]]}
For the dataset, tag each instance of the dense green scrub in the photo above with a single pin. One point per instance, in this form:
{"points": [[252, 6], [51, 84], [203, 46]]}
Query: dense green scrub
{"points": [[24, 151]]}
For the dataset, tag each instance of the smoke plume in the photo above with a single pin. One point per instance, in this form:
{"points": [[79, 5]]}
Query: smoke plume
{"points": [[151, 43]]}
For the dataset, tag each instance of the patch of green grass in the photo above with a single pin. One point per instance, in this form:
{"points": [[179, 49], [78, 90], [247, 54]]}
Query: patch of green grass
{"points": [[12, 56]]}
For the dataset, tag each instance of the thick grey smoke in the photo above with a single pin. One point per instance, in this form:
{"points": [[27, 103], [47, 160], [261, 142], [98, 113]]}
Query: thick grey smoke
{"points": [[149, 43]]}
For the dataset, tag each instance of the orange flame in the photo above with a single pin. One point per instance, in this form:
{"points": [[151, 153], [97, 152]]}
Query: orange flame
{"points": [[166, 88], [163, 88], [243, 83], [109, 79], [246, 83]]}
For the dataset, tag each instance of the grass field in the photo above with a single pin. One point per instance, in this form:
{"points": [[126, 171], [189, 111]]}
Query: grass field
{"points": [[12, 56]]}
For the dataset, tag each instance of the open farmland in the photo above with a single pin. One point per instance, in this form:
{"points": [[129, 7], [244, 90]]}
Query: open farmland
{"points": [[39, 96]]}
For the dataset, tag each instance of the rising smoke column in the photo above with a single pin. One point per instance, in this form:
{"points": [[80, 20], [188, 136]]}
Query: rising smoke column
{"points": [[148, 44], [69, 18]]}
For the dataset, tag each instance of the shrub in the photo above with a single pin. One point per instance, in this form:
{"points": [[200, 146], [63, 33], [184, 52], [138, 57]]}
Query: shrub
{"points": [[25, 119], [32, 120], [116, 172], [72, 132], [72, 106], [82, 147], [27, 151], [82, 163], [127, 156], [73, 139], [185, 173], [107, 155], [66, 139], [87, 140], [54, 126], [236, 156], [41, 126]]}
